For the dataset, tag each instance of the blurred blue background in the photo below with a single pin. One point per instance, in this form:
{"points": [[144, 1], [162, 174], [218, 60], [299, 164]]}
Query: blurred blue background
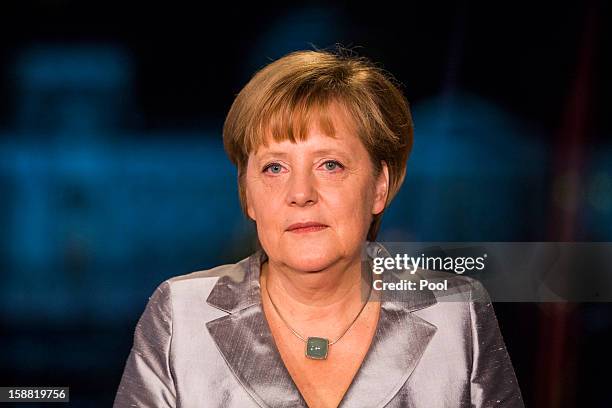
{"points": [[113, 176]]}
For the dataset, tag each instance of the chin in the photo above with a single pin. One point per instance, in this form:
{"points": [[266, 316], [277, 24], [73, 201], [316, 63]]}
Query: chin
{"points": [[310, 255], [309, 265]]}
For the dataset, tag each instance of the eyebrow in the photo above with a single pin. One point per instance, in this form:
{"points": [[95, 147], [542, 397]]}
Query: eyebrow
{"points": [[280, 153]]}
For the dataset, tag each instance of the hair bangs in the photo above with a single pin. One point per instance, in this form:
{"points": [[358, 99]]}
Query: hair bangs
{"points": [[292, 119]]}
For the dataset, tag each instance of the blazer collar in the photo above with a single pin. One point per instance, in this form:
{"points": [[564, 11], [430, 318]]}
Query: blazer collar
{"points": [[241, 289], [245, 341]]}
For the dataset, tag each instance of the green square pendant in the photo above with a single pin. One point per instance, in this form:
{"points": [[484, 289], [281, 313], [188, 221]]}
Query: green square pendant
{"points": [[317, 347]]}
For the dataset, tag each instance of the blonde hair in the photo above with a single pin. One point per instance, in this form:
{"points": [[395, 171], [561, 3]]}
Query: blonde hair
{"points": [[284, 97]]}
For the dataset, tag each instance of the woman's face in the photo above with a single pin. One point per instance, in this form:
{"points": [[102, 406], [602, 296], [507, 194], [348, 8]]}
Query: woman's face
{"points": [[323, 180]]}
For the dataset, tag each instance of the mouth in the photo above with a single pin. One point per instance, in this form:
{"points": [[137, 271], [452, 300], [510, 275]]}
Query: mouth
{"points": [[304, 227]]}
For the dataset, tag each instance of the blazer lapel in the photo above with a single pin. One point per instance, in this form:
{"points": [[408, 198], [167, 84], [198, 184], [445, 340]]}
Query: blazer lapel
{"points": [[245, 340], [399, 342]]}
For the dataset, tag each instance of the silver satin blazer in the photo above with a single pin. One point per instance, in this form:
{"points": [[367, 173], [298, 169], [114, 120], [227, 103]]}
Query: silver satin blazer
{"points": [[203, 341]]}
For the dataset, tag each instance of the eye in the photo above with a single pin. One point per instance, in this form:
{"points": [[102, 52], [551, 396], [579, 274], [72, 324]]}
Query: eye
{"points": [[273, 168], [332, 165]]}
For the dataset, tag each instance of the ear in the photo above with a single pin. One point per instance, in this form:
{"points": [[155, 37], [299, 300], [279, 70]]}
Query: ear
{"points": [[250, 209], [381, 189], [251, 212], [243, 186]]}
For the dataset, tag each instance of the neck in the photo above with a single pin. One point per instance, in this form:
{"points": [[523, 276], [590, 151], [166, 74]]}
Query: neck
{"points": [[314, 296]]}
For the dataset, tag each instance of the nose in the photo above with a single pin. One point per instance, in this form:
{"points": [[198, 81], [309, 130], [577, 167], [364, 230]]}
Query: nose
{"points": [[301, 189]]}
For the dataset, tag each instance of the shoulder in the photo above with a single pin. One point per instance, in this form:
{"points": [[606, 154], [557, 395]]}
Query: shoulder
{"points": [[194, 287], [205, 277], [462, 306], [451, 286], [234, 271]]}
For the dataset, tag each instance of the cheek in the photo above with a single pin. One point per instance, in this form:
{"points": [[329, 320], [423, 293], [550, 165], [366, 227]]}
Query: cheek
{"points": [[266, 203], [261, 193], [350, 203]]}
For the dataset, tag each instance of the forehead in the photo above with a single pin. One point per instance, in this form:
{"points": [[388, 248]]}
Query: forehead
{"points": [[316, 144], [325, 128]]}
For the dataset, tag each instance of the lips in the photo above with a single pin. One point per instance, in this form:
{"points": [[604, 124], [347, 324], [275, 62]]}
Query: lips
{"points": [[309, 226]]}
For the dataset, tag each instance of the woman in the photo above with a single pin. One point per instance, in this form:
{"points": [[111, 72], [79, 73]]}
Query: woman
{"points": [[321, 141]]}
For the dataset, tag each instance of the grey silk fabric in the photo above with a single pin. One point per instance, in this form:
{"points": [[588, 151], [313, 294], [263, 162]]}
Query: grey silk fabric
{"points": [[203, 341]]}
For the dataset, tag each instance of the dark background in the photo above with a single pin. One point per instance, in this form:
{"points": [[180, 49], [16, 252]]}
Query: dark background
{"points": [[113, 177]]}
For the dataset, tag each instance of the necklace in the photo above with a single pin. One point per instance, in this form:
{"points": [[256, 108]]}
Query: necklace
{"points": [[317, 348]]}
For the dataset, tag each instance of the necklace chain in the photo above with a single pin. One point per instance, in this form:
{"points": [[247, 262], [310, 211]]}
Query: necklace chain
{"points": [[298, 335]]}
